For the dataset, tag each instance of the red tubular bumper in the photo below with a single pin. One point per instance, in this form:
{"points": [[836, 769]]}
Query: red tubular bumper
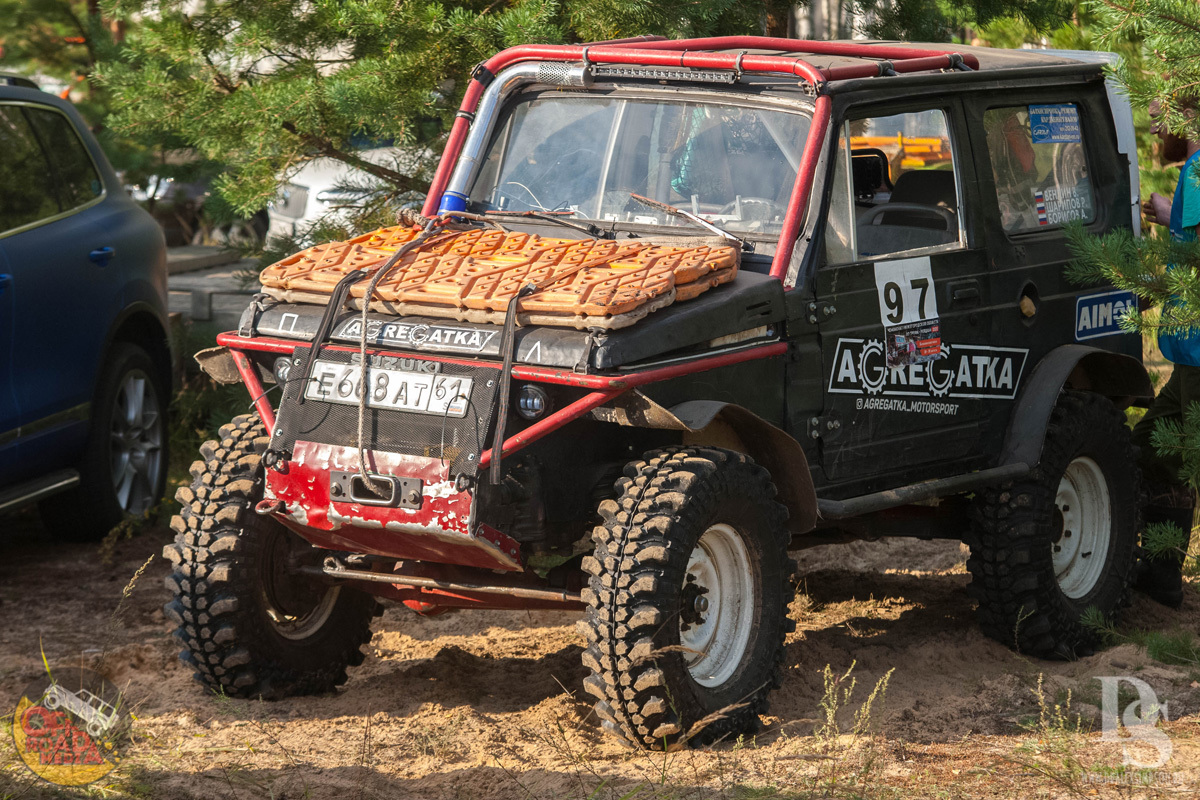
{"points": [[605, 387], [442, 529]]}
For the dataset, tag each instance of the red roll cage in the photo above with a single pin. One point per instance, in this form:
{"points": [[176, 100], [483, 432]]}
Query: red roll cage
{"points": [[651, 51], [700, 54]]}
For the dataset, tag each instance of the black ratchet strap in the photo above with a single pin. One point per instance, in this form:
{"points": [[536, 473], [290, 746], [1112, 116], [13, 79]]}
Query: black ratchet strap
{"points": [[508, 347], [508, 350], [337, 300]]}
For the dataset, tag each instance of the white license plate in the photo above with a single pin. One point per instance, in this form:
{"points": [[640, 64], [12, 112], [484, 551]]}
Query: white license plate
{"points": [[444, 395]]}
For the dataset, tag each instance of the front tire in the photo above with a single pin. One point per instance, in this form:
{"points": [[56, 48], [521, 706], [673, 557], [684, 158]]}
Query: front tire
{"points": [[1062, 540], [124, 468], [252, 627], [686, 605]]}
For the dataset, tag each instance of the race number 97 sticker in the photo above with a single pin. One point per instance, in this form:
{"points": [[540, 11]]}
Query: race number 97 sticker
{"points": [[908, 310], [69, 726]]}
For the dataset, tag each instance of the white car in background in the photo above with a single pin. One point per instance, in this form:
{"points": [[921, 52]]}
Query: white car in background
{"points": [[326, 186]]}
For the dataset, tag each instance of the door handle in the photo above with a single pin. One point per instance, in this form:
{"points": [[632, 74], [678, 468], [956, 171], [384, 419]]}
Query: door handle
{"points": [[102, 255], [5, 280], [964, 293]]}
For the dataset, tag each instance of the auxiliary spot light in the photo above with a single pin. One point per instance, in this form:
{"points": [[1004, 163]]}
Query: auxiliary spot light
{"points": [[532, 402], [281, 368]]}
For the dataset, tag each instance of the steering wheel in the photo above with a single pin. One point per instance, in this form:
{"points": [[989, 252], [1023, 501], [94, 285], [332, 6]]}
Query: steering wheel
{"points": [[872, 216], [771, 205]]}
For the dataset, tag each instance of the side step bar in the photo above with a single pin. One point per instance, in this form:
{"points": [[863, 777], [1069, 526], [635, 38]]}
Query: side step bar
{"points": [[38, 489], [916, 492]]}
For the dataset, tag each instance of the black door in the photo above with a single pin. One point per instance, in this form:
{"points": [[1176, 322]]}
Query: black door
{"points": [[904, 303]]}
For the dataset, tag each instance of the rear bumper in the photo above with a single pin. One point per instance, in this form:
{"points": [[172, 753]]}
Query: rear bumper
{"points": [[441, 529]]}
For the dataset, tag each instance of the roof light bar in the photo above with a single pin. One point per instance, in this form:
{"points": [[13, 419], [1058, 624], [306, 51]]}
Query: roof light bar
{"points": [[663, 74]]}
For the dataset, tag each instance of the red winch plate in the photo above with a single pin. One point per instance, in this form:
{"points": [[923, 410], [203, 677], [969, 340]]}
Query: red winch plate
{"points": [[438, 531]]}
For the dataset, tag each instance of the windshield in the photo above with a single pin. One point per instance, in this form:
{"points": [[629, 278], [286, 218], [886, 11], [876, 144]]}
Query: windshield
{"points": [[732, 165]]}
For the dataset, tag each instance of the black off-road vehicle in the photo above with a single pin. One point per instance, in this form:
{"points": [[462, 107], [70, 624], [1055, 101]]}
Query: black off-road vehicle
{"points": [[887, 347]]}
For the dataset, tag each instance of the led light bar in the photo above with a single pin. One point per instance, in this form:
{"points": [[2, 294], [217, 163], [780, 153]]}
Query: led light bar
{"points": [[663, 74]]}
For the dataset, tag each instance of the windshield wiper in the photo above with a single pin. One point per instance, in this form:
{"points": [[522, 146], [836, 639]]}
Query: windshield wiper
{"points": [[703, 223], [551, 216]]}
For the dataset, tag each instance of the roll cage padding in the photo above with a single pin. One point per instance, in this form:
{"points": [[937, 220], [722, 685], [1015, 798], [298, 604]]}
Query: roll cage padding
{"points": [[1119, 377]]}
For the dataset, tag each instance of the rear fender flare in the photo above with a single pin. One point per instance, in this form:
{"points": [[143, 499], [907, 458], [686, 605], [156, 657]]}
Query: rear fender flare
{"points": [[1119, 377], [734, 428]]}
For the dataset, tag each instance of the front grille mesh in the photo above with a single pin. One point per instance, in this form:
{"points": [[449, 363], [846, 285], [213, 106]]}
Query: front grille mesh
{"points": [[459, 440]]}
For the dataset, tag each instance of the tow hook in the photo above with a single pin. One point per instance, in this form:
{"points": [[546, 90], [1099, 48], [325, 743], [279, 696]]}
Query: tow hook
{"points": [[276, 460], [265, 507]]}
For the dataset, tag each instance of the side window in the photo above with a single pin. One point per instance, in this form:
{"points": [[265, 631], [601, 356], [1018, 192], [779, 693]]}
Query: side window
{"points": [[25, 174], [895, 187], [77, 181], [1039, 165]]}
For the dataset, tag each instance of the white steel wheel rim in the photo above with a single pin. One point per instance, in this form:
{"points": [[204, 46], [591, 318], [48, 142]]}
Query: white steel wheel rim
{"points": [[298, 628], [1081, 549], [718, 625], [136, 434]]}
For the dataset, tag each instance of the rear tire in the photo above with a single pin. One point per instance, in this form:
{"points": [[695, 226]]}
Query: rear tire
{"points": [[1062, 540], [123, 471], [250, 625], [687, 604]]}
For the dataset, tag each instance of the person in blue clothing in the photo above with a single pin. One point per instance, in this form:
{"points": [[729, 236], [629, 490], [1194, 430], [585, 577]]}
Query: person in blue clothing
{"points": [[1167, 499]]}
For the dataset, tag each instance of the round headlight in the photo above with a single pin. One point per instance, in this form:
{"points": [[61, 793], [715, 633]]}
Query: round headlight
{"points": [[282, 366], [532, 402]]}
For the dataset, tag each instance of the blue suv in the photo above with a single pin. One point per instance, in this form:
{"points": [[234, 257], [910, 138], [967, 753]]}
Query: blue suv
{"points": [[85, 364]]}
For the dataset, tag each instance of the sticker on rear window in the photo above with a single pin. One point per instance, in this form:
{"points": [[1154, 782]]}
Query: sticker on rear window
{"points": [[1059, 204], [1051, 124]]}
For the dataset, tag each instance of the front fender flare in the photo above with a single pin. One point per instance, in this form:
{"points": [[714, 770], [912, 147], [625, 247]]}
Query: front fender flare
{"points": [[1119, 377], [731, 426]]}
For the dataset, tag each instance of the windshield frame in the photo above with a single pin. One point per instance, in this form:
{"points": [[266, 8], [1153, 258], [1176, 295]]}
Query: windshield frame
{"points": [[797, 104]]}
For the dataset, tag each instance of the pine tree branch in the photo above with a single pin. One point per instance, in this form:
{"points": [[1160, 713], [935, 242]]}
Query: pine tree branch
{"points": [[220, 78], [84, 33], [326, 148]]}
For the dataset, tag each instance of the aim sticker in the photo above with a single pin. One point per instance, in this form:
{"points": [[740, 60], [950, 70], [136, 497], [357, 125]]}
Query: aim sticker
{"points": [[1100, 314], [1053, 124], [965, 371], [68, 727]]}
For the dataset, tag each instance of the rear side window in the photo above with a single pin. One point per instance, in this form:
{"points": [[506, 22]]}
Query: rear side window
{"points": [[77, 181], [44, 168], [1039, 166], [28, 181], [895, 188]]}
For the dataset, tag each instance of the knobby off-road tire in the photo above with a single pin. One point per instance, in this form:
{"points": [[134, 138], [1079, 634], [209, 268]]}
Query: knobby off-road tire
{"points": [[687, 600], [251, 627], [1046, 548]]}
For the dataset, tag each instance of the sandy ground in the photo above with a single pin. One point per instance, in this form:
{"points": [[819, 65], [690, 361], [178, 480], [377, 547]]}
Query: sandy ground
{"points": [[489, 704]]}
